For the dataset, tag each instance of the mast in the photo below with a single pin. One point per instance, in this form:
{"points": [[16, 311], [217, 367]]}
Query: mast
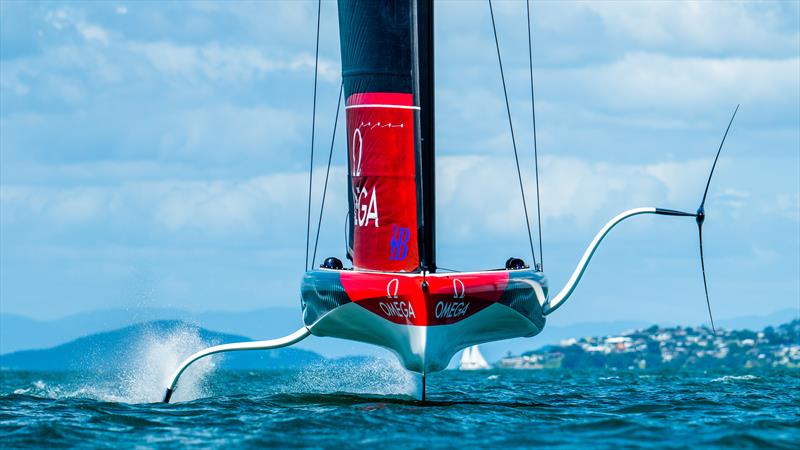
{"points": [[425, 88]]}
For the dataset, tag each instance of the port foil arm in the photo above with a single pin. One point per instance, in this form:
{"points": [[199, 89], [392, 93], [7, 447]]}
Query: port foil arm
{"points": [[285, 341], [569, 288]]}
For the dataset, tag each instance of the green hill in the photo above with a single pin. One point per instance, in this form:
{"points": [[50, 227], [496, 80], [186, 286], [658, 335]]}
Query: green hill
{"points": [[671, 347]]}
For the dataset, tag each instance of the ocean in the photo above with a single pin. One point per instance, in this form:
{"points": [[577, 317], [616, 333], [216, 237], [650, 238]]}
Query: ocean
{"points": [[370, 404]]}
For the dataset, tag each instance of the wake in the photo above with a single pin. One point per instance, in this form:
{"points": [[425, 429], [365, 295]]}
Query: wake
{"points": [[138, 374]]}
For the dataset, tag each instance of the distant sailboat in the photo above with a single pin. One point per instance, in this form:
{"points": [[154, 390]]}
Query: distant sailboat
{"points": [[472, 359]]}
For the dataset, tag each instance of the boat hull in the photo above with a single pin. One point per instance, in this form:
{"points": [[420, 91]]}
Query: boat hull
{"points": [[424, 318]]}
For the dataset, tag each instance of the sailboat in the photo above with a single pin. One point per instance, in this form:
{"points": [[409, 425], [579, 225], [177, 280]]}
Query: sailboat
{"points": [[472, 359], [393, 295]]}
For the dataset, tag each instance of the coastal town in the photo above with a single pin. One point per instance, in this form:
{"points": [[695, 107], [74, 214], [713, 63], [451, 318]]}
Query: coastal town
{"points": [[670, 347]]}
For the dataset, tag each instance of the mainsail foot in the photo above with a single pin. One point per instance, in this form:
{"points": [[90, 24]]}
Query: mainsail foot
{"points": [[285, 341]]}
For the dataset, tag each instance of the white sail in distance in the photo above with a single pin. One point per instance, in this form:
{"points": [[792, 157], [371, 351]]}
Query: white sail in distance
{"points": [[472, 359]]}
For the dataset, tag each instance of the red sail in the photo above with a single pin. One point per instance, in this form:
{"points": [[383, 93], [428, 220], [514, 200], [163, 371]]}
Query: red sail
{"points": [[384, 147], [380, 127]]}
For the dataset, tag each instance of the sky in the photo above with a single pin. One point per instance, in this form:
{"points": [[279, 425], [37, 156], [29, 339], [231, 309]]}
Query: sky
{"points": [[155, 154]]}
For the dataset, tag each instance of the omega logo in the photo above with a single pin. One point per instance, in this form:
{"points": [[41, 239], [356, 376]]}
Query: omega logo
{"points": [[458, 288], [358, 143], [392, 287]]}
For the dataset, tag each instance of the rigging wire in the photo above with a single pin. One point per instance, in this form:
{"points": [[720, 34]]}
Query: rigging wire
{"points": [[511, 127], [535, 149], [327, 171], [313, 127], [346, 236]]}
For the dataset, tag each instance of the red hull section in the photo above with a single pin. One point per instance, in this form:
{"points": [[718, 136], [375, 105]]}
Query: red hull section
{"points": [[424, 318], [421, 300], [381, 153]]}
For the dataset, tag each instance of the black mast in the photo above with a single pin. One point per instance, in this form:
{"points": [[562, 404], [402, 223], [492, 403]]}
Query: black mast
{"points": [[424, 10]]}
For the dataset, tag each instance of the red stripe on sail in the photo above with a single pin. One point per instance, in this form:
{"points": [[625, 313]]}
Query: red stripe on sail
{"points": [[381, 98]]}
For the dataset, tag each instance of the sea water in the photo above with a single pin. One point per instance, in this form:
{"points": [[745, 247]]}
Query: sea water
{"points": [[371, 404]]}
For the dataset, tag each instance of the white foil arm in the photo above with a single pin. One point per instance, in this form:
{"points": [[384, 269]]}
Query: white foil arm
{"points": [[569, 288], [285, 341]]}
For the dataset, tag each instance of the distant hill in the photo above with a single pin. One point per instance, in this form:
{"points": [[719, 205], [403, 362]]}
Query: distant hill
{"points": [[755, 323], [553, 334], [113, 350], [23, 333], [671, 347]]}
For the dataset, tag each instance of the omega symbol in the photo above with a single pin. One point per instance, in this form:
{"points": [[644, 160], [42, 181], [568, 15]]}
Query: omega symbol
{"points": [[392, 287], [458, 288], [358, 145]]}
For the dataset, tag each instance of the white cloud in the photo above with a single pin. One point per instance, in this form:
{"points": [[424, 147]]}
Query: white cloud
{"points": [[480, 194], [55, 207], [476, 195], [219, 131], [62, 19], [643, 81], [58, 19], [225, 63], [784, 205], [699, 25], [685, 179], [218, 207], [225, 206], [92, 32]]}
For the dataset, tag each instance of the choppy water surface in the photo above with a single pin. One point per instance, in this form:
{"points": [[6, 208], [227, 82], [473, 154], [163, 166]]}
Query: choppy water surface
{"points": [[352, 406]]}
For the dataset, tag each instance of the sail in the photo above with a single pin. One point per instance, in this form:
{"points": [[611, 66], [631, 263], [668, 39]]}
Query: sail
{"points": [[477, 358], [466, 357], [472, 359], [378, 45]]}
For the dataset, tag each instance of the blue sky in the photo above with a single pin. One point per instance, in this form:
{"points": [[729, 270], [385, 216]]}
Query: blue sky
{"points": [[155, 153]]}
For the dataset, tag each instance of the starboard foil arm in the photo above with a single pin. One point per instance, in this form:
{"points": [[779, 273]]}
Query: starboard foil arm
{"points": [[285, 341], [569, 288], [700, 217]]}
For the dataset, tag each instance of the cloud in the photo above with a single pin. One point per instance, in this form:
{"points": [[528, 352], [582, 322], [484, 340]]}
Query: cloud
{"points": [[55, 207], [576, 194], [698, 26], [226, 63], [269, 204], [65, 18], [580, 32], [226, 206], [226, 132], [642, 81], [222, 136], [784, 205], [476, 196]]}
